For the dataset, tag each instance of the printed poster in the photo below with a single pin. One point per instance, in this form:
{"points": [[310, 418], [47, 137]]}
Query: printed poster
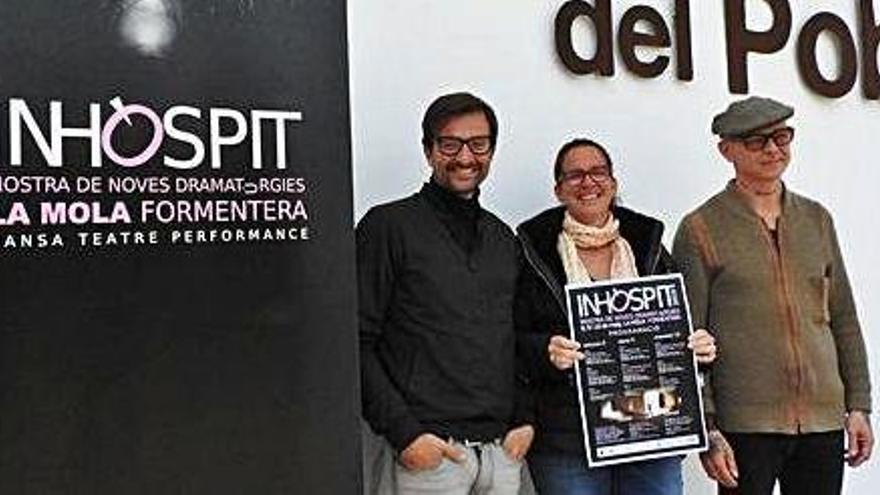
{"points": [[638, 385]]}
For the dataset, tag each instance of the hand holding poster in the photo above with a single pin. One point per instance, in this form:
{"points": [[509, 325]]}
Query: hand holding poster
{"points": [[638, 385]]}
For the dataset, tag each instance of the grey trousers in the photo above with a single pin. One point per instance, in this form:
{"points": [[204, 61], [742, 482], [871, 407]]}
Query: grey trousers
{"points": [[487, 471]]}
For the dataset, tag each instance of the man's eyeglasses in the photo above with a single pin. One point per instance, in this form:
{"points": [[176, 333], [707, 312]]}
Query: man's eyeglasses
{"points": [[598, 175], [451, 145], [757, 142]]}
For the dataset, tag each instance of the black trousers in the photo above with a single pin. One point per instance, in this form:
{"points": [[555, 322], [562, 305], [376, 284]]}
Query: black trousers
{"points": [[805, 464]]}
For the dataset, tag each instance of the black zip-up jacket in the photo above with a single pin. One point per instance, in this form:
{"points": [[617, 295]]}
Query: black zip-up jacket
{"points": [[540, 313], [436, 322]]}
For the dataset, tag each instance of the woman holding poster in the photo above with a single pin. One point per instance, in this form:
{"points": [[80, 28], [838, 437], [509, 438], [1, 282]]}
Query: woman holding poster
{"points": [[588, 238]]}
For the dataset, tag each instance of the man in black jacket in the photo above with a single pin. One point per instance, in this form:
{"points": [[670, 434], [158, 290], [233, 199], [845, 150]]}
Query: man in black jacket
{"points": [[436, 280]]}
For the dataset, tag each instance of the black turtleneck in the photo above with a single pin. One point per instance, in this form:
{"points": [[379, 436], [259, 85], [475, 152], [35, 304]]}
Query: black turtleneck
{"points": [[459, 215]]}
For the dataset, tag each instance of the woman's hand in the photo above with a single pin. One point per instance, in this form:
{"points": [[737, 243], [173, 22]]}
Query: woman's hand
{"points": [[563, 352], [703, 344]]}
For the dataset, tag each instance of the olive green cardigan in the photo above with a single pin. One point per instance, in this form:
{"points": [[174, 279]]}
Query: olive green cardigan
{"points": [[791, 357]]}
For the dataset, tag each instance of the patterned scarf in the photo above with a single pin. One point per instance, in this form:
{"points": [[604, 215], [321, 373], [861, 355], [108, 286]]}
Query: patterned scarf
{"points": [[575, 234]]}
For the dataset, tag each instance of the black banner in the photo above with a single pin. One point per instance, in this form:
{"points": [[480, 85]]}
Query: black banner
{"points": [[176, 248]]}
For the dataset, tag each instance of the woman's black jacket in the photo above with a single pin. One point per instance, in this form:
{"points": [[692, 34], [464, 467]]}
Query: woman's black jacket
{"points": [[540, 313]]}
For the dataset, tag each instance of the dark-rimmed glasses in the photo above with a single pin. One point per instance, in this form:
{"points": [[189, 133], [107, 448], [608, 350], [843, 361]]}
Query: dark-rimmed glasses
{"points": [[598, 175], [757, 142], [451, 145]]}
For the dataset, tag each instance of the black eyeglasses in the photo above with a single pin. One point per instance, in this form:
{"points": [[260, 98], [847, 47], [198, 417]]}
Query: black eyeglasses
{"points": [[599, 175], [451, 145], [757, 142]]}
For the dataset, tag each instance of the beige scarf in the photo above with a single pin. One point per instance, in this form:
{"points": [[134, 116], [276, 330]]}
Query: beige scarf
{"points": [[575, 234]]}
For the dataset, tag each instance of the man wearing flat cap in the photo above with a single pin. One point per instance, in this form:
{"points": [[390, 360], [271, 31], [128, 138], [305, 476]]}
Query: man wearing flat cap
{"points": [[765, 274]]}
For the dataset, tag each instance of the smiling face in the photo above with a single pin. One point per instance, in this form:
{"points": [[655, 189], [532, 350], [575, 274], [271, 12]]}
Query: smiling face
{"points": [[464, 171], [585, 185], [764, 165]]}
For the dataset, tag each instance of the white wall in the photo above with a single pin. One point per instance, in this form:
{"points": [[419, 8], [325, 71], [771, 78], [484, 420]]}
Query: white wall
{"points": [[404, 53]]}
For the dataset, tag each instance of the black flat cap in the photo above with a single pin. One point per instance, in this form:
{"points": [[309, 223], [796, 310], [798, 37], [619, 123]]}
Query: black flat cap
{"points": [[745, 116]]}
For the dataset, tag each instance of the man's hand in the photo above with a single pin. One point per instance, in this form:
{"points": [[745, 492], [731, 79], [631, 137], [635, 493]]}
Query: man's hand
{"points": [[427, 452], [719, 462], [563, 352], [517, 441], [859, 436], [703, 345]]}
